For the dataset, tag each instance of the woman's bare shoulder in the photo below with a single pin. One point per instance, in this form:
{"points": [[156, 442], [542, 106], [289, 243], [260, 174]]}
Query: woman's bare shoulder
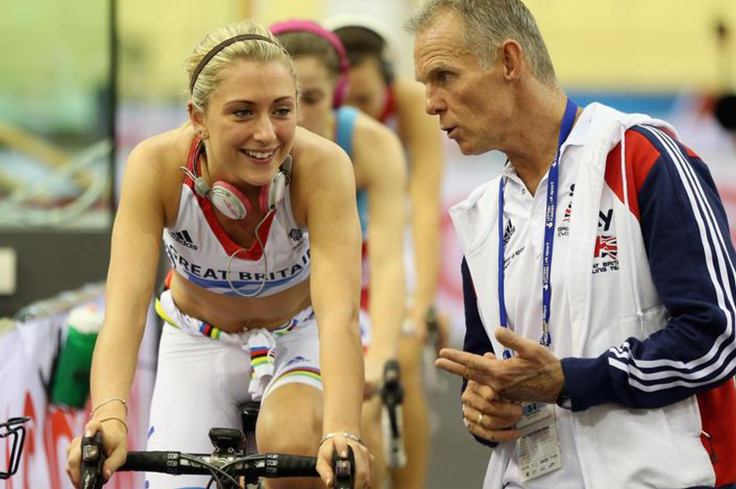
{"points": [[313, 153], [165, 152], [319, 166], [155, 164], [368, 128]]}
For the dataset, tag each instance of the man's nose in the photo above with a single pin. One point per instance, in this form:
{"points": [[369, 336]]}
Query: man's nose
{"points": [[433, 103]]}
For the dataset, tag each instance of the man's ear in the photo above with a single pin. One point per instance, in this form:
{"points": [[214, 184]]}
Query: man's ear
{"points": [[196, 117], [512, 58]]}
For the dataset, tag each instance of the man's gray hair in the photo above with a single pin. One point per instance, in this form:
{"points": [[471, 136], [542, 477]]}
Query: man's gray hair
{"points": [[486, 24]]}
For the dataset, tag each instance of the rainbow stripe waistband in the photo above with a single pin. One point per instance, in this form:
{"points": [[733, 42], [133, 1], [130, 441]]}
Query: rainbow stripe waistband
{"points": [[206, 329]]}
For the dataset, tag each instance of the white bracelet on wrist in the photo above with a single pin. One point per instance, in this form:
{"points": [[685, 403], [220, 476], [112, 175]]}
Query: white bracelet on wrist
{"points": [[349, 436], [108, 401]]}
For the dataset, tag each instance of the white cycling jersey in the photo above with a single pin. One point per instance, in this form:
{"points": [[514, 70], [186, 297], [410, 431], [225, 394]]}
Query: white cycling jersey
{"points": [[199, 249]]}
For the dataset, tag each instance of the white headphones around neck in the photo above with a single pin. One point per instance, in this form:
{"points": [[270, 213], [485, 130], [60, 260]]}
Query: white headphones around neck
{"points": [[232, 202]]}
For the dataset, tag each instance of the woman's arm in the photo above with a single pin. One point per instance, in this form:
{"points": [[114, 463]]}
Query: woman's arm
{"points": [[325, 195], [134, 256], [134, 253], [381, 170], [136, 240], [420, 133], [326, 190]]}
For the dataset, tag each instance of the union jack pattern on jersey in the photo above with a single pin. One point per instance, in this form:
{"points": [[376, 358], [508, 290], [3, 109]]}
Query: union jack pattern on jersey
{"points": [[606, 247]]}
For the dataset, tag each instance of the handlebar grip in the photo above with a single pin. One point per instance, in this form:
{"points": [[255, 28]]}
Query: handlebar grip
{"points": [[283, 465], [93, 457], [344, 469], [162, 462]]}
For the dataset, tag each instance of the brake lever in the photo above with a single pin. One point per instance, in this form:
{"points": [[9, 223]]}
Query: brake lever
{"points": [[344, 469], [93, 457], [392, 395]]}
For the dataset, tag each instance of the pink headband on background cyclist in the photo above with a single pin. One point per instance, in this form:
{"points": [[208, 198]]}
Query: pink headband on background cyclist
{"points": [[313, 28]]}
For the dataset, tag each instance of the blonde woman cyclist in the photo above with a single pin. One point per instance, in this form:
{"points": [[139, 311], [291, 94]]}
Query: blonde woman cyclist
{"points": [[258, 220]]}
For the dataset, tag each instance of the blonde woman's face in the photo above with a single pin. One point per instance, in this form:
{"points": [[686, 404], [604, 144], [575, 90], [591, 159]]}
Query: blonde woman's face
{"points": [[250, 121]]}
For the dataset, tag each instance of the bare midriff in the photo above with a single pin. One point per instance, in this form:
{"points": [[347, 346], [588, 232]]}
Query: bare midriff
{"points": [[234, 314]]}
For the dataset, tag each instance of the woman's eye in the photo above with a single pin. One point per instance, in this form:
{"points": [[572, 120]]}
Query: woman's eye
{"points": [[283, 111], [243, 113], [312, 98]]}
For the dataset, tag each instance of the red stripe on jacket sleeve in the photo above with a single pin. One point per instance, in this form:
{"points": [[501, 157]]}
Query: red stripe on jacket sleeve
{"points": [[640, 157], [717, 408]]}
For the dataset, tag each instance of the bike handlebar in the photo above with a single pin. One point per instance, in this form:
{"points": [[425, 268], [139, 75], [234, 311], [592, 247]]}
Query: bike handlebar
{"points": [[252, 467], [271, 465]]}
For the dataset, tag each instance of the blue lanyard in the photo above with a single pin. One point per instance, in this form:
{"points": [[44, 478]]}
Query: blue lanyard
{"points": [[549, 234]]}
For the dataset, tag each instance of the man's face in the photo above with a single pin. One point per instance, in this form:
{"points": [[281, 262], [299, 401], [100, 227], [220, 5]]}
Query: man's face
{"points": [[473, 103]]}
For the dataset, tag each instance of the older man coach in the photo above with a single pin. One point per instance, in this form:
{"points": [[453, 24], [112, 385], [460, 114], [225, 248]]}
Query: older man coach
{"points": [[598, 275]]}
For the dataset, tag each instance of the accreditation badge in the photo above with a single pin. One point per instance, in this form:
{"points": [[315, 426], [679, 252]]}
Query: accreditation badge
{"points": [[538, 449]]}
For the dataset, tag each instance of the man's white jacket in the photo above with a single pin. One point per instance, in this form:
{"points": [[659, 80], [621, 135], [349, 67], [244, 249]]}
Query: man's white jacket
{"points": [[653, 344]]}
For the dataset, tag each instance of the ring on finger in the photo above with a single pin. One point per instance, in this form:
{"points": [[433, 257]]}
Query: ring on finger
{"points": [[480, 418]]}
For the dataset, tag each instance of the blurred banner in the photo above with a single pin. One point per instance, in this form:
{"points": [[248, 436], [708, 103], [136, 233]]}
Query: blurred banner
{"points": [[28, 351]]}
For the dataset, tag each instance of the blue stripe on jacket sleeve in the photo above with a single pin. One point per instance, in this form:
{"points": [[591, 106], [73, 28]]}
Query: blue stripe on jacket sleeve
{"points": [[476, 338], [692, 259]]}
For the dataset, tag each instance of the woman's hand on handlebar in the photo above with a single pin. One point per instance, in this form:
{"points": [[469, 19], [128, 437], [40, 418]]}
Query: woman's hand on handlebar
{"points": [[363, 470], [115, 444]]}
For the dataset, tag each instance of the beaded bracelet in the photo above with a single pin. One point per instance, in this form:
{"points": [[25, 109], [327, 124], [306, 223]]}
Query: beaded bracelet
{"points": [[349, 436]]}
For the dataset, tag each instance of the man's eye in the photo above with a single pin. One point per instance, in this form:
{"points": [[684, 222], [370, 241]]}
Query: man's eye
{"points": [[443, 76]]}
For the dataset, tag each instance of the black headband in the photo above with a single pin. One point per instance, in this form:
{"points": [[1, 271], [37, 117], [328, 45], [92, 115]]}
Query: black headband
{"points": [[213, 52]]}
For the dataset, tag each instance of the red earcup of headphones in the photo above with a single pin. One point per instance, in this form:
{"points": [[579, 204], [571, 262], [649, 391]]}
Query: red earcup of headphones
{"points": [[229, 200], [233, 203]]}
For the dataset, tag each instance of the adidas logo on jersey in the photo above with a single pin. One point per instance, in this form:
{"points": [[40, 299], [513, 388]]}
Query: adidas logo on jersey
{"points": [[182, 237], [509, 232]]}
